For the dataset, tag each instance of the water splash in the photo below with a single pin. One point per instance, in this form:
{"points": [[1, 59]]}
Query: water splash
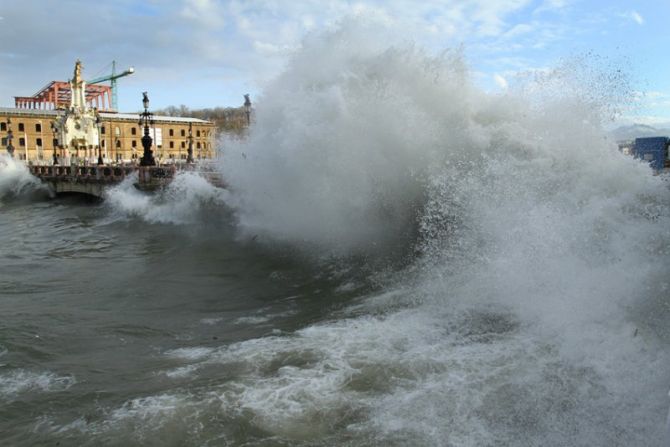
{"points": [[533, 313], [15, 178], [16, 382], [517, 204], [179, 203], [340, 152]]}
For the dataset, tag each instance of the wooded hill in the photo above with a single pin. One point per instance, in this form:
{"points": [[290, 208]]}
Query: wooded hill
{"points": [[226, 119]]}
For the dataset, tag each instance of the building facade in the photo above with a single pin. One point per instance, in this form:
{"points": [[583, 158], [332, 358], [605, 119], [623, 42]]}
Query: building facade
{"points": [[35, 137]]}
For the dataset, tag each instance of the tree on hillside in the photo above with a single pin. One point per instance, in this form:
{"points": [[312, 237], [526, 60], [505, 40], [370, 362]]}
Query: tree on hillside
{"points": [[226, 119]]}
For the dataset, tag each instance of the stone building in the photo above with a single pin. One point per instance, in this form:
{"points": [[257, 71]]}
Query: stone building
{"points": [[62, 122], [34, 138]]}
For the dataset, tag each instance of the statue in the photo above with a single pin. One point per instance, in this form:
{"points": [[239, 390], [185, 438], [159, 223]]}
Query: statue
{"points": [[78, 87], [78, 126], [77, 73]]}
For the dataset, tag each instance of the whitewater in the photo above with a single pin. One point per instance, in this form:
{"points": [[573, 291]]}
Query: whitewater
{"points": [[400, 259]]}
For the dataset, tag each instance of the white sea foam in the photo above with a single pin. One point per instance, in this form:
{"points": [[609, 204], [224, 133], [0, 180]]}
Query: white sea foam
{"points": [[254, 319], [165, 419], [181, 372], [178, 203], [211, 321], [261, 317], [15, 382], [145, 409], [196, 353]]}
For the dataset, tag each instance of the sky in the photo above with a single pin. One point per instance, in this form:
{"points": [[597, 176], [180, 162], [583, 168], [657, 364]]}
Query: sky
{"points": [[208, 53]]}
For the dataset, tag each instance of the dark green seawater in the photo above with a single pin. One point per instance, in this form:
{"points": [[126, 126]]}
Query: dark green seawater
{"points": [[399, 259], [91, 306], [148, 324]]}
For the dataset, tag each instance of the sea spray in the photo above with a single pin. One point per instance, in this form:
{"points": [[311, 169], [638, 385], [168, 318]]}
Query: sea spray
{"points": [[15, 178], [179, 203], [339, 153], [533, 312], [528, 314]]}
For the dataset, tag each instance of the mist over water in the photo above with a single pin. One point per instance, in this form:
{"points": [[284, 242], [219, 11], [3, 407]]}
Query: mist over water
{"points": [[529, 307], [535, 309], [184, 201], [344, 143], [15, 179]]}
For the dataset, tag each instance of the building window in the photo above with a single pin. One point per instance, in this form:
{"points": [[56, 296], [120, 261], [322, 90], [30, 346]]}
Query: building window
{"points": [[183, 133], [3, 127], [134, 143], [118, 144], [38, 128], [133, 131], [171, 144], [183, 144], [102, 130], [172, 132], [39, 142], [55, 142], [22, 141], [198, 145], [103, 144], [21, 128], [197, 133]]}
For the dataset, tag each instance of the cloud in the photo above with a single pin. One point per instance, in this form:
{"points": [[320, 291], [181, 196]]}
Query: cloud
{"points": [[656, 99], [649, 120], [206, 12], [520, 29], [269, 49], [219, 45], [244, 39], [551, 6], [500, 81], [636, 17]]}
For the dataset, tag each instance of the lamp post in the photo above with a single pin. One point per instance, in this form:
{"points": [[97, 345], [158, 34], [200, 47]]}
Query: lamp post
{"points": [[55, 142], [109, 146], [117, 134], [98, 124], [146, 118], [247, 108], [10, 136], [189, 159]]}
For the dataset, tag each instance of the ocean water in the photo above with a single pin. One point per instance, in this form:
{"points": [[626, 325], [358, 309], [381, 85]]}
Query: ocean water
{"points": [[400, 259]]}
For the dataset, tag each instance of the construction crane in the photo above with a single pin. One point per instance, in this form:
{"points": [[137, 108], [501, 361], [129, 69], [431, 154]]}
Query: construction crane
{"points": [[112, 77]]}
